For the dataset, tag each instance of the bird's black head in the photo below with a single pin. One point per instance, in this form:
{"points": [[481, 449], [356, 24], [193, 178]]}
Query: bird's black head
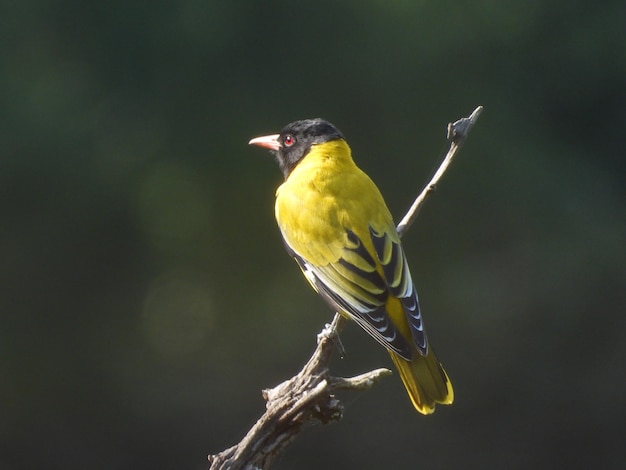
{"points": [[295, 141]]}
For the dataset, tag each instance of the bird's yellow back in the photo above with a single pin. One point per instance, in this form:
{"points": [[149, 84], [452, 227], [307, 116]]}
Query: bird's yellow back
{"points": [[327, 196]]}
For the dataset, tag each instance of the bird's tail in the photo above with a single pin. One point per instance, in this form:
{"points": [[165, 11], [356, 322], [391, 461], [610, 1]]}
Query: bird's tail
{"points": [[425, 381]]}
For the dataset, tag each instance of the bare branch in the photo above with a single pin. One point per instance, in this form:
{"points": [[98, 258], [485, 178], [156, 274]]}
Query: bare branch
{"points": [[305, 399], [457, 133], [308, 398]]}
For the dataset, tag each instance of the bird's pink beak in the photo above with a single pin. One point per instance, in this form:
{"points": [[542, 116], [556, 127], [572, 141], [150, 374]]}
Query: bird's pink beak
{"points": [[267, 141]]}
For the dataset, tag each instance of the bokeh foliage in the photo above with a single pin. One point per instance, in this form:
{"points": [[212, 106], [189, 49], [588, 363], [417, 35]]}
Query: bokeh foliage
{"points": [[146, 296]]}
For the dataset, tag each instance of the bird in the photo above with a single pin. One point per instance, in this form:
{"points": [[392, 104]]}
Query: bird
{"points": [[336, 225]]}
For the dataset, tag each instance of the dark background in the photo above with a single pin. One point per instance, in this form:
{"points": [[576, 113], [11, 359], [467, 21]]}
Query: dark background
{"points": [[146, 298]]}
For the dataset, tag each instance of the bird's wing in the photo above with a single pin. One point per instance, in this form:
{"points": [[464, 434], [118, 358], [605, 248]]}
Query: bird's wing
{"points": [[360, 282], [399, 283]]}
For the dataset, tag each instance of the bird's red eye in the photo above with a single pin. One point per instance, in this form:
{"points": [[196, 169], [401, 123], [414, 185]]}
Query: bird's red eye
{"points": [[289, 140]]}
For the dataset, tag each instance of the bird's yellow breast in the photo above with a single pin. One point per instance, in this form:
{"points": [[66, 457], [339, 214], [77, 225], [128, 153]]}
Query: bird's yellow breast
{"points": [[325, 195]]}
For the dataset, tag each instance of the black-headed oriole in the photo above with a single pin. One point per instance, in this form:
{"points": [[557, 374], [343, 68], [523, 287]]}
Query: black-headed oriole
{"points": [[336, 225]]}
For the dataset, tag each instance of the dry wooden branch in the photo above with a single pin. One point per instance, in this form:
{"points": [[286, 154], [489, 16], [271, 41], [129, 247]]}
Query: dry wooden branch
{"points": [[305, 399], [308, 398], [457, 133]]}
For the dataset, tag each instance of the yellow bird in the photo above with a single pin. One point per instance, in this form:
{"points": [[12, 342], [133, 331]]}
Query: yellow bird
{"points": [[335, 223]]}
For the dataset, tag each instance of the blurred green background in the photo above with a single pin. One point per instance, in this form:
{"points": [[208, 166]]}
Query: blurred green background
{"points": [[146, 295]]}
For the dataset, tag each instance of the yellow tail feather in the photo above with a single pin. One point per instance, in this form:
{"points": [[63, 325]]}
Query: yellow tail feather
{"points": [[425, 381]]}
